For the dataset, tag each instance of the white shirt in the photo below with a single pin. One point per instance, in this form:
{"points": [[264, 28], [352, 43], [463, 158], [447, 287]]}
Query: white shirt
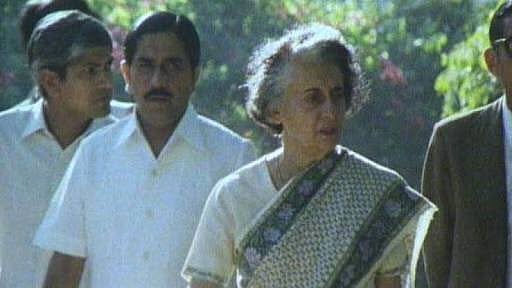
{"points": [[120, 109], [507, 135], [233, 208], [32, 164], [134, 216]]}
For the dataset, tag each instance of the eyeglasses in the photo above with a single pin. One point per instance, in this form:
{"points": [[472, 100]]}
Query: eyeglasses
{"points": [[506, 43]]}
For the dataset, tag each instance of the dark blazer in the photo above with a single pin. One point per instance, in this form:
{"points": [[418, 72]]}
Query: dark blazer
{"points": [[464, 175]]}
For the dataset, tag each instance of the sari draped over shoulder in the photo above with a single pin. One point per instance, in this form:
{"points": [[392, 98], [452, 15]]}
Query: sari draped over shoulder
{"points": [[333, 226]]}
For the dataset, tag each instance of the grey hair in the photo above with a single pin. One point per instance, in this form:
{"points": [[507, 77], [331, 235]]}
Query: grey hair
{"points": [[268, 61]]}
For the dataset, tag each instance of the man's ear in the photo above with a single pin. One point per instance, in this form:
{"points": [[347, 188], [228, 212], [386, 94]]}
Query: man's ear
{"points": [[273, 112], [50, 82], [196, 74], [125, 71], [491, 60]]}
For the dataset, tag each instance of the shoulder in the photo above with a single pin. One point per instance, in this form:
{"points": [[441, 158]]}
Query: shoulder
{"points": [[246, 175], [371, 168], [249, 177], [469, 122], [13, 120], [372, 174], [105, 136], [217, 132], [225, 147], [16, 112]]}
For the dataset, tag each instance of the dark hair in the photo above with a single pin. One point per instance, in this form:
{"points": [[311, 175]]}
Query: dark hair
{"points": [[157, 22], [268, 61], [59, 34], [35, 10], [496, 29]]}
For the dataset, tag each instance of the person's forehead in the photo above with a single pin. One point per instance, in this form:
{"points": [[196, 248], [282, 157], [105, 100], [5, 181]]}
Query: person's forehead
{"points": [[304, 71], [90, 54], [311, 58], [160, 44]]}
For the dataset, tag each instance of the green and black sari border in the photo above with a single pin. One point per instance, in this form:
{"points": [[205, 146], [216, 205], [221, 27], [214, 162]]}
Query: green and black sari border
{"points": [[358, 262]]}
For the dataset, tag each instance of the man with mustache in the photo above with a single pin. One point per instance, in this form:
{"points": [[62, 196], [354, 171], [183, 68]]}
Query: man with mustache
{"points": [[69, 54], [130, 201]]}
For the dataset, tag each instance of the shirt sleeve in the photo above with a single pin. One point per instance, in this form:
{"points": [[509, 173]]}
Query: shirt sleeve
{"points": [[211, 254], [63, 227], [396, 263]]}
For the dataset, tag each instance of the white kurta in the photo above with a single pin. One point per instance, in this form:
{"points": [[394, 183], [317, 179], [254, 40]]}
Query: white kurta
{"points": [[31, 166], [133, 215]]}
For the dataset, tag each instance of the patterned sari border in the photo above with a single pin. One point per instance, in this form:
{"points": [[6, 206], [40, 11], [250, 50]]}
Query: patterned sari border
{"points": [[393, 212]]}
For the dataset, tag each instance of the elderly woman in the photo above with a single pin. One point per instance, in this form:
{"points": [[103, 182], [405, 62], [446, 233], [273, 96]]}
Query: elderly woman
{"points": [[312, 213]]}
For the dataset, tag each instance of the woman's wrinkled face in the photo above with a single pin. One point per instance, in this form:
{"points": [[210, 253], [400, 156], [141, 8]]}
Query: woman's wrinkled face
{"points": [[312, 109]]}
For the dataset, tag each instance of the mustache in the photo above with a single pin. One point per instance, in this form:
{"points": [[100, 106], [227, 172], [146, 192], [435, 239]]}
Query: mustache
{"points": [[158, 92]]}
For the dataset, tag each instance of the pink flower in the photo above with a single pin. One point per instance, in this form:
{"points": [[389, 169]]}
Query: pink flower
{"points": [[392, 73], [118, 36]]}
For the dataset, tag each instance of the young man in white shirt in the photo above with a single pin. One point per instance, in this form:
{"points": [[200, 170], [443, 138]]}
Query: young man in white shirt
{"points": [[132, 196], [70, 55]]}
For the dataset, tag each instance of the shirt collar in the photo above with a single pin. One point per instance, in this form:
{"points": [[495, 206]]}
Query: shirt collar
{"points": [[187, 129], [129, 128], [190, 129], [37, 122]]}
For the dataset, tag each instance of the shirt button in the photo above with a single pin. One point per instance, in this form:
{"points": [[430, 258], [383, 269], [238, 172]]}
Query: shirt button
{"points": [[149, 213], [145, 255]]}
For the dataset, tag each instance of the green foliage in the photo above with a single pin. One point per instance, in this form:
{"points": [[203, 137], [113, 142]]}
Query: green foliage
{"points": [[14, 75], [464, 82], [413, 37]]}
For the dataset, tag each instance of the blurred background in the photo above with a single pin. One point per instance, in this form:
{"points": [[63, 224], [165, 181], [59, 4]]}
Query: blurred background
{"points": [[422, 60]]}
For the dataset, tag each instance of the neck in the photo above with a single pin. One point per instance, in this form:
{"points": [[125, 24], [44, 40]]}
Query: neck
{"points": [[288, 163], [65, 126], [157, 134], [293, 161]]}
